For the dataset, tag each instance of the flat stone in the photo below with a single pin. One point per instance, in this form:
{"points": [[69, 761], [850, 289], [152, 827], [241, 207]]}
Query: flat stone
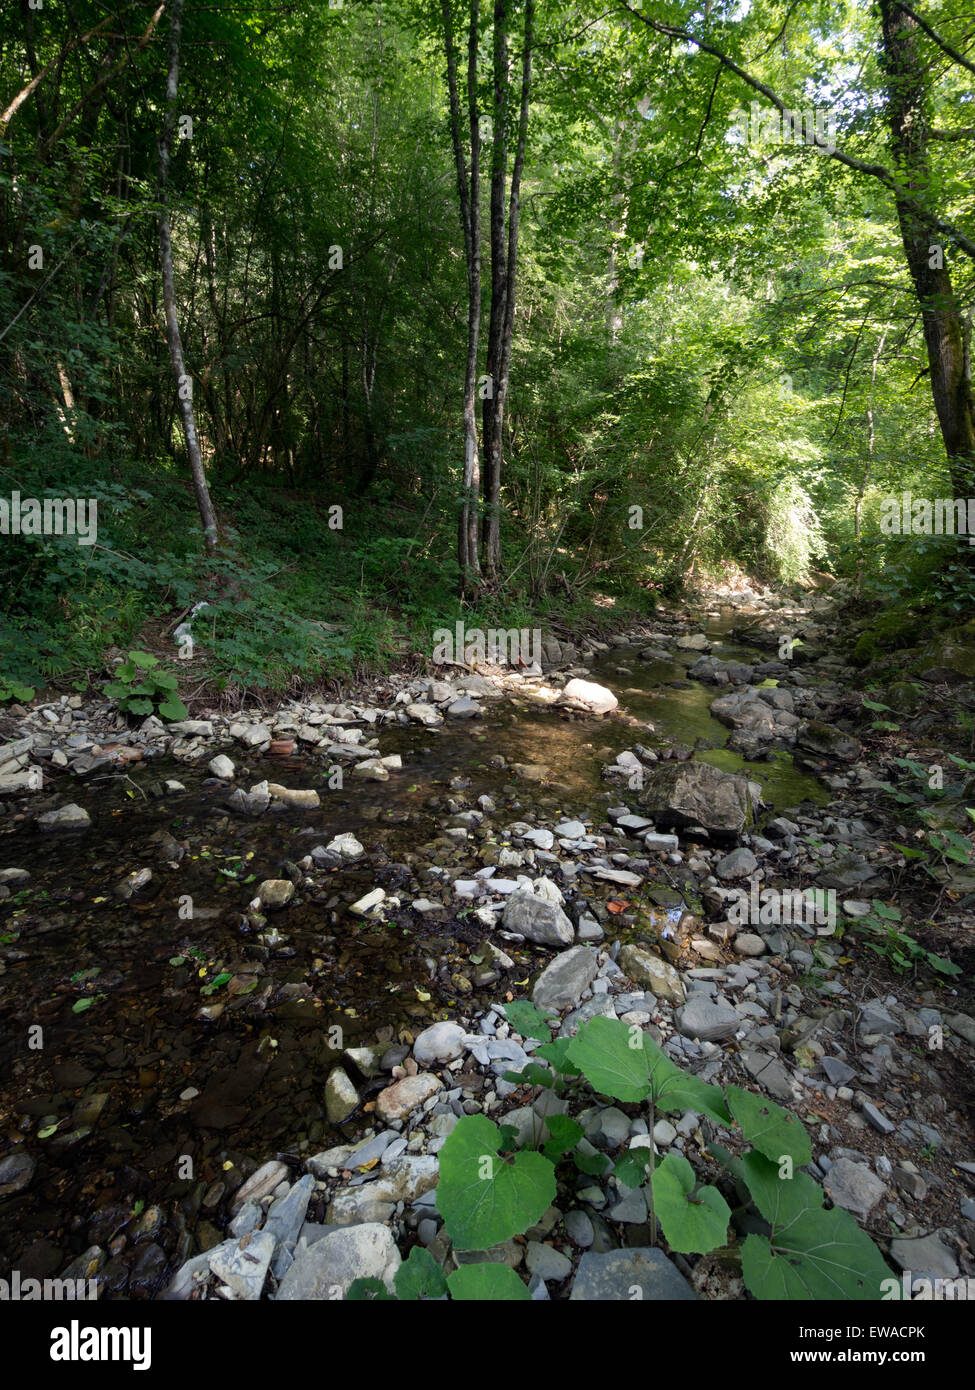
{"points": [[243, 1267], [70, 817], [579, 1228], [563, 981], [836, 1071], [710, 1022], [325, 1269], [924, 1256], [854, 1186], [611, 1276], [546, 1262]]}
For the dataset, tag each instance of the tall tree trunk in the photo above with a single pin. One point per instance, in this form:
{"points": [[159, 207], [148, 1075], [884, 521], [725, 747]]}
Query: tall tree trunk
{"points": [[184, 386], [504, 263], [946, 334], [469, 194]]}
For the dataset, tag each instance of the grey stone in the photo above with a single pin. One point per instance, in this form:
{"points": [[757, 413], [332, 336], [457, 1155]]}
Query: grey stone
{"points": [[611, 1275], [694, 793], [243, 1267], [16, 1171], [285, 1220], [854, 1187], [879, 1121], [564, 980], [537, 920], [70, 817], [546, 1262], [579, 1228], [738, 864], [441, 1042], [710, 1022], [332, 1263], [924, 1256], [836, 1071]]}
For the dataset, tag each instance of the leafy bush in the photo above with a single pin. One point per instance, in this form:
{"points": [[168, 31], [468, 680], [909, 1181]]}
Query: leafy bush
{"points": [[142, 689], [488, 1191]]}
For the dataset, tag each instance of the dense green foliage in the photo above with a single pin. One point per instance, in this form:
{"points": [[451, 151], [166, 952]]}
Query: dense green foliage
{"points": [[718, 353]]}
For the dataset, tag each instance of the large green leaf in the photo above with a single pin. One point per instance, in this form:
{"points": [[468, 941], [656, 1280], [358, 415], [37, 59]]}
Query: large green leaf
{"points": [[674, 1089], [810, 1253], [775, 1132], [484, 1198], [419, 1276], [693, 1222], [602, 1052], [491, 1281]]}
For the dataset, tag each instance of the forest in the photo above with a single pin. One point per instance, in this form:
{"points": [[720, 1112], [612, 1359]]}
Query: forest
{"points": [[637, 336]]}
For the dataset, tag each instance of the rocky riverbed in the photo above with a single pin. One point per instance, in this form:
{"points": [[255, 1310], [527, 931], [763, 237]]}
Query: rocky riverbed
{"points": [[253, 967]]}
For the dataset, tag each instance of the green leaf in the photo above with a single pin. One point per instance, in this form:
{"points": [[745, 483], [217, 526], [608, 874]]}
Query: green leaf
{"points": [[80, 1005], [369, 1291], [46, 1132], [527, 1020], [483, 1198], [602, 1052], [674, 1089], [693, 1222], [173, 708], [773, 1131], [631, 1169], [557, 1053], [144, 659], [875, 704], [810, 1253], [891, 914], [139, 706], [594, 1165], [531, 1075], [420, 1277], [565, 1134], [164, 681], [487, 1282]]}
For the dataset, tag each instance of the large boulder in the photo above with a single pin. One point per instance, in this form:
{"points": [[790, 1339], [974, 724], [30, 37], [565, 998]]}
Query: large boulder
{"points": [[694, 793]]}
